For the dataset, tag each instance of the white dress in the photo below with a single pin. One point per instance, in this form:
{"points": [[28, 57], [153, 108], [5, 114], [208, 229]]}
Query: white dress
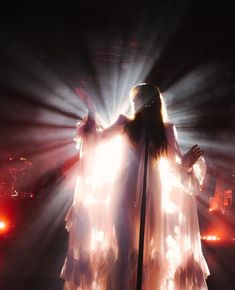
{"points": [[103, 222]]}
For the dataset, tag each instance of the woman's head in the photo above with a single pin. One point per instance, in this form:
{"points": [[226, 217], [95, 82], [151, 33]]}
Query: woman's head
{"points": [[146, 99], [148, 106]]}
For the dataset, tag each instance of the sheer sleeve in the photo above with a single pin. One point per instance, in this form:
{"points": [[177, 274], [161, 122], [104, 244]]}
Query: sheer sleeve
{"points": [[90, 132], [192, 180], [183, 247], [88, 220]]}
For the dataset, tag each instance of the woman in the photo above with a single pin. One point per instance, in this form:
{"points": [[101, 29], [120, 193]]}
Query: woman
{"points": [[104, 220]]}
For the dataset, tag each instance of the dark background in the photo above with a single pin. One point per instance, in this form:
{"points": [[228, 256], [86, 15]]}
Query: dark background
{"points": [[69, 38]]}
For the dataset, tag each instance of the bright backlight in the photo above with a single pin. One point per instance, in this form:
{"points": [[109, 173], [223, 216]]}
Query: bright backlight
{"points": [[4, 226]]}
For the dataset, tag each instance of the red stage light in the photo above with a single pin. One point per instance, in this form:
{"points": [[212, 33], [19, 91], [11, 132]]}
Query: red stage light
{"points": [[210, 238], [4, 226]]}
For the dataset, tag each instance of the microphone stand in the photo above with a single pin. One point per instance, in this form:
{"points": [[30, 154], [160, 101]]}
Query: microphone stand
{"points": [[143, 211]]}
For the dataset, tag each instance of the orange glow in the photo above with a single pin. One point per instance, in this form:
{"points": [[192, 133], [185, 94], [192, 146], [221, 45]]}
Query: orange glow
{"points": [[4, 226], [215, 203], [210, 238]]}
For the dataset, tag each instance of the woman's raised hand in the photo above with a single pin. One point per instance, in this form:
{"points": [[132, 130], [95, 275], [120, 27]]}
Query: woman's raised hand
{"points": [[89, 124], [191, 157], [86, 99]]}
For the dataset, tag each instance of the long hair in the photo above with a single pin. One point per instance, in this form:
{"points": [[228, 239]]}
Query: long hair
{"points": [[148, 113]]}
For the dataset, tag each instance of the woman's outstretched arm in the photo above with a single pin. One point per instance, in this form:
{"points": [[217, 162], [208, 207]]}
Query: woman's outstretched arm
{"points": [[89, 126]]}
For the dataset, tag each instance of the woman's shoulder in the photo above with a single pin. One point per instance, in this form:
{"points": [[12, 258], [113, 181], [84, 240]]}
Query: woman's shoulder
{"points": [[122, 120], [170, 129], [169, 126]]}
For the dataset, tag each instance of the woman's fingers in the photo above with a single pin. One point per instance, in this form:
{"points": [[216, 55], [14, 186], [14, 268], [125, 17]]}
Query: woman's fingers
{"points": [[194, 147], [196, 150], [200, 152], [192, 156], [196, 153], [85, 98]]}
